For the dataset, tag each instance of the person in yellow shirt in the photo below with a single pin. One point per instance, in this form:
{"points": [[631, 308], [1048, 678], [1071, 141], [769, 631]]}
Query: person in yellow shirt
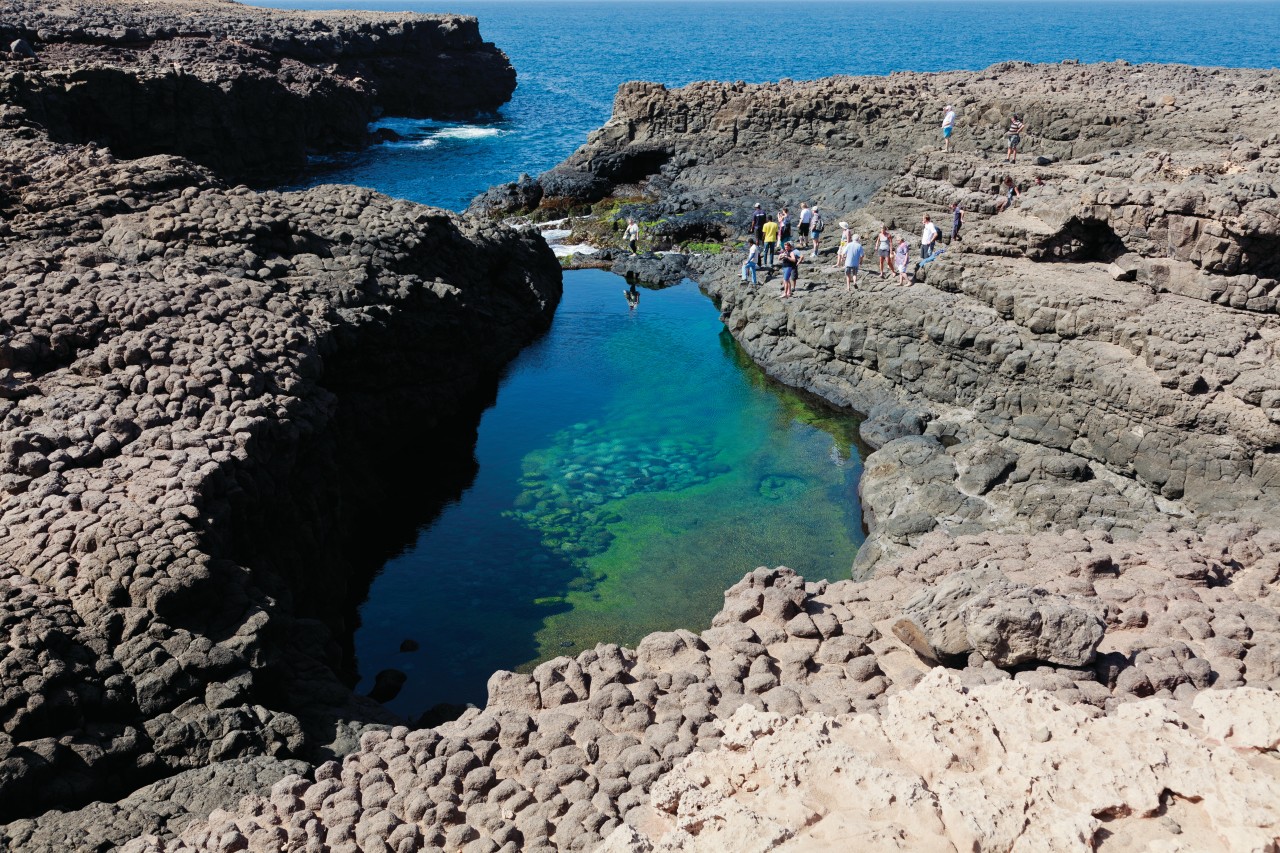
{"points": [[770, 241]]}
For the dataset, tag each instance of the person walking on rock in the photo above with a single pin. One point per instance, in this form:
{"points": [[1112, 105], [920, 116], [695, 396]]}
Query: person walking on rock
{"points": [[758, 216], [1010, 192], [631, 235], [1016, 129], [852, 262], [845, 236], [957, 219], [901, 258], [884, 248], [752, 263], [815, 228], [948, 124], [790, 269], [784, 226], [770, 244], [806, 219], [928, 239]]}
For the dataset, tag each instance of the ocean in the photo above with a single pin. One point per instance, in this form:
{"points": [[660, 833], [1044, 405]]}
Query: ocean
{"points": [[571, 55]]}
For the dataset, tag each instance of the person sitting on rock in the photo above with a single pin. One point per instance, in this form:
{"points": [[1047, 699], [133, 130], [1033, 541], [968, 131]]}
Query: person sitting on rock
{"points": [[1010, 192]]}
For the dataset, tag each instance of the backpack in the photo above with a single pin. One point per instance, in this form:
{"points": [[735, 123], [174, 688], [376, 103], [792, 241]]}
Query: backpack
{"points": [[816, 225]]}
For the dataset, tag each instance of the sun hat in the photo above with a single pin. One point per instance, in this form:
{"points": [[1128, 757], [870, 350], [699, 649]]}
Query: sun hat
{"points": [[844, 224], [757, 204]]}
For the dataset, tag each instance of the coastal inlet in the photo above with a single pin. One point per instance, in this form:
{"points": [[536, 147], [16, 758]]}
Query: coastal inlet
{"points": [[634, 465]]}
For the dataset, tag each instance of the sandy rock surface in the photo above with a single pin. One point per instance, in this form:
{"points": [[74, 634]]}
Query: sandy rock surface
{"points": [[994, 767]]}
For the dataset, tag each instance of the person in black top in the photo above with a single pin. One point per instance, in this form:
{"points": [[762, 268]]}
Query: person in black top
{"points": [[758, 217]]}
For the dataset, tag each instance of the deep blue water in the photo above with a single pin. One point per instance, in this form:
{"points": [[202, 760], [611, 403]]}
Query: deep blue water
{"points": [[571, 56]]}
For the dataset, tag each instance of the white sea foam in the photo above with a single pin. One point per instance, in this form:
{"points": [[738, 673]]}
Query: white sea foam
{"points": [[551, 235], [563, 251], [466, 133]]}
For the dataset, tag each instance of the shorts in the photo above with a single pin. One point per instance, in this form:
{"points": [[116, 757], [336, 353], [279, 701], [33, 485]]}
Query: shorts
{"points": [[788, 273], [1014, 140], [804, 229], [884, 253], [852, 270], [817, 234], [946, 133]]}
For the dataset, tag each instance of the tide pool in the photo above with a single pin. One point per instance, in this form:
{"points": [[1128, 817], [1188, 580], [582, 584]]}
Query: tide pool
{"points": [[635, 464]]}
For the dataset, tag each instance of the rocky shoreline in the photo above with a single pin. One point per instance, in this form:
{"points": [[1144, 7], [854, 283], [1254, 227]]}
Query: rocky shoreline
{"points": [[1063, 632], [206, 390], [247, 92]]}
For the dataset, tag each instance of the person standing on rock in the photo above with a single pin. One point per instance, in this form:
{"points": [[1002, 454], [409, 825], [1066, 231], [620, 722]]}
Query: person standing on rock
{"points": [[845, 237], [1016, 129], [758, 216], [790, 269], [901, 259], [928, 239], [957, 219], [806, 219], [631, 235], [752, 262], [852, 262], [770, 244], [884, 248], [1010, 192], [948, 124], [784, 227], [815, 228]]}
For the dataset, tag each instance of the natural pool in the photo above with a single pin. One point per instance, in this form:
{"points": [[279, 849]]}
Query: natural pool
{"points": [[635, 465]]}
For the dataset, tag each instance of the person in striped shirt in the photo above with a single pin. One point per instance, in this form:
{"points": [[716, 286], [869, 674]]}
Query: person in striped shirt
{"points": [[1016, 128]]}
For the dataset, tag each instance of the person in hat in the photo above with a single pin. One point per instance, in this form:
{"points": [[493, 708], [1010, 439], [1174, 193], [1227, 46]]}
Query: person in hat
{"points": [[815, 229], [948, 125], [845, 236], [758, 216], [852, 261]]}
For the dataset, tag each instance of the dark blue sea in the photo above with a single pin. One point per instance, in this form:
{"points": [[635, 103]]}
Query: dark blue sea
{"points": [[571, 56], [635, 462]]}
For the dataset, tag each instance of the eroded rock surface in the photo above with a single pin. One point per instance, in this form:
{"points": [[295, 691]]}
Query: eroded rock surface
{"points": [[201, 388], [246, 91]]}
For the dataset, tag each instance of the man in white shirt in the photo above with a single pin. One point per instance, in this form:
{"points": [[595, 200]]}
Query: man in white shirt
{"points": [[928, 238], [948, 124]]}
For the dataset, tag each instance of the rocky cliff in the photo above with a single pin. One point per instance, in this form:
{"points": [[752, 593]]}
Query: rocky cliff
{"points": [[203, 391], [248, 92]]}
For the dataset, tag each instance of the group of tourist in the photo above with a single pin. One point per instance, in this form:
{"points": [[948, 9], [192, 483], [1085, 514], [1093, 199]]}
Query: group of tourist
{"points": [[769, 242], [771, 236]]}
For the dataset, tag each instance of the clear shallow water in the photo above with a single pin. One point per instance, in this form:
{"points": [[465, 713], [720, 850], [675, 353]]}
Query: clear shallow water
{"points": [[570, 56], [634, 465]]}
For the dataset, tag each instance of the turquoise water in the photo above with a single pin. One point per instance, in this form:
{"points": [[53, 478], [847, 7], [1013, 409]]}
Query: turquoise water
{"points": [[571, 56], [634, 465]]}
